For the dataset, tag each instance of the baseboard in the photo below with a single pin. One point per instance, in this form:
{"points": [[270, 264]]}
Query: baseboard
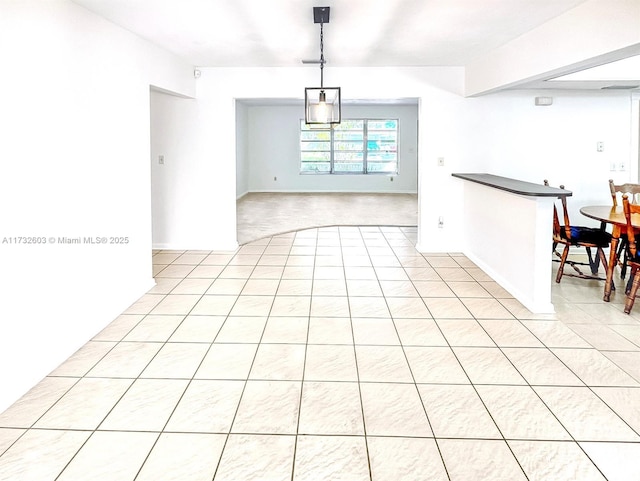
{"points": [[333, 191], [525, 298], [179, 247]]}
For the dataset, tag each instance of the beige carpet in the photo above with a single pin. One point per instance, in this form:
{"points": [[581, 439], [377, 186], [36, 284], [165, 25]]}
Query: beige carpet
{"points": [[265, 214]]}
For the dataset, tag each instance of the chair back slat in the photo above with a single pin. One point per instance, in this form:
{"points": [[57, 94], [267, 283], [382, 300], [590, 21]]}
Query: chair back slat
{"points": [[632, 258], [630, 209], [556, 219], [631, 190], [556, 222], [567, 223]]}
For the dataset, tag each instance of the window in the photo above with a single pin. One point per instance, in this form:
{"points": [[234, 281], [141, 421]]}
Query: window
{"points": [[356, 146]]}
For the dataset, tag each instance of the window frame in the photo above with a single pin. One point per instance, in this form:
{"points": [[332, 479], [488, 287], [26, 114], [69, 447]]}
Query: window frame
{"points": [[331, 129]]}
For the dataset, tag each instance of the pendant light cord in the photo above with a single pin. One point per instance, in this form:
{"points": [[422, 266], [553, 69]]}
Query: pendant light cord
{"points": [[321, 54]]}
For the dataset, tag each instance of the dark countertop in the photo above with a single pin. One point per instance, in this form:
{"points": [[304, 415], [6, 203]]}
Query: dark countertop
{"points": [[515, 186]]}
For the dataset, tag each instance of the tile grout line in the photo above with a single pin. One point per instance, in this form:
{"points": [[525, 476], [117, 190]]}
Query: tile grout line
{"points": [[500, 347], [304, 367], [355, 356], [415, 384], [246, 381]]}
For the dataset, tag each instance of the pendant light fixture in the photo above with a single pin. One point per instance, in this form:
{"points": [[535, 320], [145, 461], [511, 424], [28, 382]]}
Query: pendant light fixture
{"points": [[322, 104]]}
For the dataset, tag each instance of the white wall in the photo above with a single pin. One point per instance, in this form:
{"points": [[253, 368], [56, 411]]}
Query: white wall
{"points": [[194, 191], [242, 155], [75, 153], [273, 140], [510, 136], [178, 191], [208, 148], [504, 134], [74, 122]]}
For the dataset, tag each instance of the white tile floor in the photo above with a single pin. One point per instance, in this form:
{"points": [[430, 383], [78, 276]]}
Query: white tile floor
{"points": [[338, 354]]}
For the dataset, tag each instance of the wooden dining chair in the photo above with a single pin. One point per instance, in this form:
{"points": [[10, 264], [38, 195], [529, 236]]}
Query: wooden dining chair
{"points": [[633, 259], [578, 236], [633, 195], [632, 191]]}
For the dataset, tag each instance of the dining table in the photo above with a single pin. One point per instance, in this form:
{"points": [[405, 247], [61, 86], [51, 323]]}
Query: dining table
{"points": [[613, 215]]}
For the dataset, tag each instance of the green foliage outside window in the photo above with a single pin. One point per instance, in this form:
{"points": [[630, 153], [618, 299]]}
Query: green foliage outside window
{"points": [[341, 149]]}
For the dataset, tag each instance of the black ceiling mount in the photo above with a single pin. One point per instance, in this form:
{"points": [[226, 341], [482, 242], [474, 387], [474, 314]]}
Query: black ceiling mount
{"points": [[321, 14]]}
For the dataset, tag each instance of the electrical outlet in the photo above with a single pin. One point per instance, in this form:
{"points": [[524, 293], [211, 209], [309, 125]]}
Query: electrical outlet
{"points": [[440, 222], [440, 161], [622, 166], [600, 146]]}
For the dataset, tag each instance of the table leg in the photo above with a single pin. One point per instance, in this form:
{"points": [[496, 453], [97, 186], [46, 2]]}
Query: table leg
{"points": [[613, 260]]}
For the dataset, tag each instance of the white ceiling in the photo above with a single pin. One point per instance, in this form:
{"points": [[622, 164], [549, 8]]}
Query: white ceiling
{"points": [[214, 33], [360, 33]]}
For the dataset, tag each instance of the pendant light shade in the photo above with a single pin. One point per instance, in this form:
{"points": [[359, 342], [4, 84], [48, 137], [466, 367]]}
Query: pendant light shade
{"points": [[322, 105]]}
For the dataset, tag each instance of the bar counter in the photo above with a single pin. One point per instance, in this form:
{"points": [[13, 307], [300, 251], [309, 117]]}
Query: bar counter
{"points": [[507, 228]]}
